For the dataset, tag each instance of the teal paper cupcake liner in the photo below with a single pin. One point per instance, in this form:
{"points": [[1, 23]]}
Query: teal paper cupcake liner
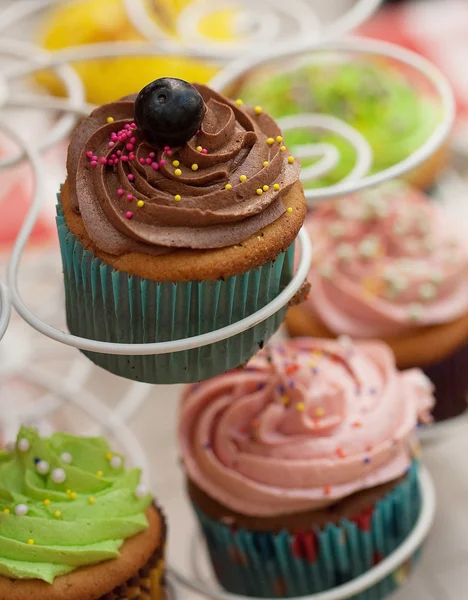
{"points": [[112, 306], [284, 565]]}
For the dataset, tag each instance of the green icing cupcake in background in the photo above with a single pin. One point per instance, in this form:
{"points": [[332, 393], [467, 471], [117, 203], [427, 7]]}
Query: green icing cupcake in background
{"points": [[72, 517], [376, 99]]}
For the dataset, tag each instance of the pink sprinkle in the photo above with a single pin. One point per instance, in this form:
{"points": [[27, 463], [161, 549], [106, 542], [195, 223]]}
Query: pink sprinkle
{"points": [[142, 161], [95, 157], [127, 126], [162, 162], [155, 166], [204, 151], [152, 154], [131, 177], [129, 147], [131, 156], [129, 197], [133, 140], [148, 161], [110, 162], [89, 154], [166, 148], [129, 214], [119, 152], [120, 192], [169, 152], [197, 132], [93, 163], [111, 144], [114, 156], [124, 158], [103, 160], [113, 136], [133, 126]]}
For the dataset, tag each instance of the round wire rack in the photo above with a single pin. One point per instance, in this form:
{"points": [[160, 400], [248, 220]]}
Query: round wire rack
{"points": [[70, 388]]}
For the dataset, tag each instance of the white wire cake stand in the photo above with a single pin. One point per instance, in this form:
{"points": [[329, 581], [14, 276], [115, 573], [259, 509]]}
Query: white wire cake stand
{"points": [[61, 396]]}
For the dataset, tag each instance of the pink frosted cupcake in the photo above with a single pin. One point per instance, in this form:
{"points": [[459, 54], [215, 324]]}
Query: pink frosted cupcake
{"points": [[389, 265], [310, 445]]}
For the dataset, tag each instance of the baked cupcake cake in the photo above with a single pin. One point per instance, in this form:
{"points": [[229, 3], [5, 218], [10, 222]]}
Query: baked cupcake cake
{"points": [[301, 469], [178, 217], [378, 100], [75, 524], [389, 265]]}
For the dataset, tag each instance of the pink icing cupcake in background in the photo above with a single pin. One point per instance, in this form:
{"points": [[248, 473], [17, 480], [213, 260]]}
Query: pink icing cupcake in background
{"points": [[312, 444], [389, 265]]}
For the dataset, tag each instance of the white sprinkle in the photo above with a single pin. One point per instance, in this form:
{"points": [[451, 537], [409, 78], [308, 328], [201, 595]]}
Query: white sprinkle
{"points": [[66, 458], [21, 510], [141, 491], [43, 467], [369, 247], [400, 228], [23, 445], [344, 252], [58, 475], [115, 462], [427, 291], [415, 311], [336, 229], [326, 271], [437, 277], [345, 341]]}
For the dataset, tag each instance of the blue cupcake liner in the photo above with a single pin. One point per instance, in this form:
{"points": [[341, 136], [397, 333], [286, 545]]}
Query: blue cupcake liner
{"points": [[284, 565], [112, 306]]}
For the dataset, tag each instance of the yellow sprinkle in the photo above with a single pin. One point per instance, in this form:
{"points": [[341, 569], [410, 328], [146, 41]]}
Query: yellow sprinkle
{"points": [[243, 178], [110, 119], [177, 172], [99, 473], [175, 163], [46, 502], [258, 110], [319, 412], [279, 139], [259, 192], [31, 542], [266, 163], [289, 210], [73, 495], [57, 514], [91, 500], [285, 400], [69, 492], [270, 141], [109, 455], [300, 406], [228, 186], [195, 167], [312, 364], [177, 198], [6, 511], [290, 160], [199, 148], [239, 102], [266, 188], [283, 148], [140, 203], [276, 187]]}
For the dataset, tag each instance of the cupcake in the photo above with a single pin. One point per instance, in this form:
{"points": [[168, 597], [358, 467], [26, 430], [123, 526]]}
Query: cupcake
{"points": [[378, 100], [301, 468], [178, 217], [389, 265], [75, 523]]}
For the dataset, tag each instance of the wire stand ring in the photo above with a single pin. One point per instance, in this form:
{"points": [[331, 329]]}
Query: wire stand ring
{"points": [[348, 590]]}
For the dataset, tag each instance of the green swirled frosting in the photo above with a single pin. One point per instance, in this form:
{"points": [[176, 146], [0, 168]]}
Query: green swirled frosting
{"points": [[49, 527], [374, 98]]}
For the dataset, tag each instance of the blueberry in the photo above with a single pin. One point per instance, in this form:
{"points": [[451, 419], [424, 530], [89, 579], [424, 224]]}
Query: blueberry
{"points": [[169, 112]]}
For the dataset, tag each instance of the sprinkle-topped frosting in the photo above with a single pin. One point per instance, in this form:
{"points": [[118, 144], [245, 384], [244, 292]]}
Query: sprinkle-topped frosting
{"points": [[386, 261], [133, 197], [76, 512], [304, 425]]}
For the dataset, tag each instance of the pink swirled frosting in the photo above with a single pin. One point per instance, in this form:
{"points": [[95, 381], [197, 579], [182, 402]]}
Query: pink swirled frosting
{"points": [[386, 260], [304, 425]]}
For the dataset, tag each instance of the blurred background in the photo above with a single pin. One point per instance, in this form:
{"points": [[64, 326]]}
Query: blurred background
{"points": [[38, 378]]}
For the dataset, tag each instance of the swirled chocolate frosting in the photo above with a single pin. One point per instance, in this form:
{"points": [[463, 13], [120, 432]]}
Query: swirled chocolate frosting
{"points": [[217, 190]]}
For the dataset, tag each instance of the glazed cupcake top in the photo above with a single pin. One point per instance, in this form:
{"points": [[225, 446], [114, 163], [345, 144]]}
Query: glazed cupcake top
{"points": [[377, 99], [216, 190], [386, 261], [303, 426], [65, 502]]}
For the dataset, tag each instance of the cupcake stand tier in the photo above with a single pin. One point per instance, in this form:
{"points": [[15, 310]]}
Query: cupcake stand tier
{"points": [[34, 60]]}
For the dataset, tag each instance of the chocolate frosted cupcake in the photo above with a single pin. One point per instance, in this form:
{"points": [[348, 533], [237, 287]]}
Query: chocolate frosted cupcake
{"points": [[389, 265], [178, 217], [76, 524], [301, 468]]}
